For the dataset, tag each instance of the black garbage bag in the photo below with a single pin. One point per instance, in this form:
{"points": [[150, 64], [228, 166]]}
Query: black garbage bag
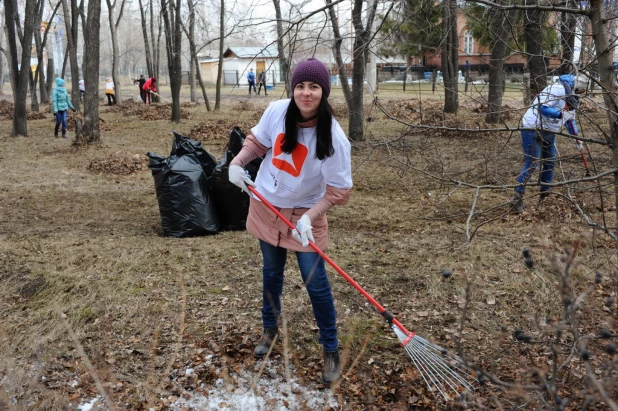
{"points": [[184, 145], [231, 202], [182, 188]]}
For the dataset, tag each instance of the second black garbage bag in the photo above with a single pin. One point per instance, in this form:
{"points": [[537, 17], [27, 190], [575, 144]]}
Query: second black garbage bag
{"points": [[232, 203]]}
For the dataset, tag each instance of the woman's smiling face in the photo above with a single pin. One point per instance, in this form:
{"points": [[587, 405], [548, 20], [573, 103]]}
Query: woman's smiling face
{"points": [[307, 96]]}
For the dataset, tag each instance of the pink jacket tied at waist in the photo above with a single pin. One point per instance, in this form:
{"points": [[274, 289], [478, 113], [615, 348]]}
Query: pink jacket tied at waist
{"points": [[266, 226]]}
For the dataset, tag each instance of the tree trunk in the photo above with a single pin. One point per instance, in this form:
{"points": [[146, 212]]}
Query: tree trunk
{"points": [[608, 79], [450, 56], [19, 74], [193, 58], [38, 74], [362, 38], [34, 101], [2, 72], [41, 53], [500, 22], [220, 66], [195, 65], [50, 75], [567, 39], [90, 132], [170, 10], [72, 52], [113, 28], [146, 41], [343, 76], [156, 49], [34, 77], [534, 49], [284, 63]]}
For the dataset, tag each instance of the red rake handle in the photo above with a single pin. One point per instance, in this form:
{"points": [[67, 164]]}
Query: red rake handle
{"points": [[387, 315]]}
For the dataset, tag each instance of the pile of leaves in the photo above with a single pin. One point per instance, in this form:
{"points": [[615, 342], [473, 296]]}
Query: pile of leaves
{"points": [[160, 112], [148, 112], [119, 163], [128, 107], [244, 106], [340, 111], [216, 130], [6, 112], [509, 111], [403, 109], [35, 115]]}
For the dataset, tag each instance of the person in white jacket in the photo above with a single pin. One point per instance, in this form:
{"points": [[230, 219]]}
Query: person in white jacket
{"points": [[549, 111], [110, 92]]}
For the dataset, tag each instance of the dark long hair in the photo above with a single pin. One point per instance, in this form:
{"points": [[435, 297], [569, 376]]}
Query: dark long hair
{"points": [[324, 141]]}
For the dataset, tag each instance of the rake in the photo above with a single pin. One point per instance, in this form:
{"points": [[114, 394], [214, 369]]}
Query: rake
{"points": [[441, 370]]}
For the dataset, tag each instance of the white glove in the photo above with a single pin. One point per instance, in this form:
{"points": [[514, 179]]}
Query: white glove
{"points": [[567, 115], [239, 177], [303, 233]]}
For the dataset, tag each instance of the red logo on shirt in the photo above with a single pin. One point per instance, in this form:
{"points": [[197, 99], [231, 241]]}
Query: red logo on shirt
{"points": [[290, 163]]}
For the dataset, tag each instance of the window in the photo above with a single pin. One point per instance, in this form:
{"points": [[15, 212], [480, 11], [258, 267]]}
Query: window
{"points": [[468, 43]]}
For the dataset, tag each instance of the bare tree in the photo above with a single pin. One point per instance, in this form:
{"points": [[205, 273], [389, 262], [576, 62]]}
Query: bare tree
{"points": [[195, 65], [90, 132], [19, 73], [3, 53], [71, 21], [343, 77], [450, 55], [284, 63], [501, 22], [172, 19], [567, 38], [362, 38], [41, 49], [113, 28], [534, 48], [147, 52], [192, 57], [220, 66]]}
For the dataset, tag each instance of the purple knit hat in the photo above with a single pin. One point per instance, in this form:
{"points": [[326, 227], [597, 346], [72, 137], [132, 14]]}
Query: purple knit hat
{"points": [[312, 70]]}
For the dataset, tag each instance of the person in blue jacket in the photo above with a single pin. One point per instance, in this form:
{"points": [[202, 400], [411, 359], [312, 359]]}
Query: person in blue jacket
{"points": [[552, 109], [61, 103], [251, 80]]}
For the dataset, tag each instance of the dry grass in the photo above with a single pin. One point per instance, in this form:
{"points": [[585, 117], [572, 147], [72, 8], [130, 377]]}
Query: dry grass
{"points": [[97, 302]]}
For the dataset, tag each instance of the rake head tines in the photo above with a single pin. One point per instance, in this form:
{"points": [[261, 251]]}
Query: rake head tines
{"points": [[441, 370]]}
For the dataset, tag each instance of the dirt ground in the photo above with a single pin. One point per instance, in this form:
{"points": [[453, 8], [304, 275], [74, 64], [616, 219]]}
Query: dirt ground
{"points": [[94, 301]]}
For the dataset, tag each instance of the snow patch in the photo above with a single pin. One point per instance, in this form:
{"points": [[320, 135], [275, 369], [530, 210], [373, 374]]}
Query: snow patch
{"points": [[87, 406], [271, 391]]}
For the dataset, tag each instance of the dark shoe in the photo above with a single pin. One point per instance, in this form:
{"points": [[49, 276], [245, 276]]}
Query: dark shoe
{"points": [[517, 203], [55, 134], [543, 196], [330, 372], [269, 337]]}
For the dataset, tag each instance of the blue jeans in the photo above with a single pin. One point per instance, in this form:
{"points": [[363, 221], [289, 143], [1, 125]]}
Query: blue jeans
{"points": [[537, 146], [61, 118], [316, 281]]}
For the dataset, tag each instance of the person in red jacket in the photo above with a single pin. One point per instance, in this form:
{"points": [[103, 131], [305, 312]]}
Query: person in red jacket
{"points": [[149, 87]]}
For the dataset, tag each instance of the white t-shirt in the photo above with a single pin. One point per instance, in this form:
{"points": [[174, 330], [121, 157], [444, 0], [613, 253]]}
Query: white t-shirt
{"points": [[551, 96], [298, 179]]}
